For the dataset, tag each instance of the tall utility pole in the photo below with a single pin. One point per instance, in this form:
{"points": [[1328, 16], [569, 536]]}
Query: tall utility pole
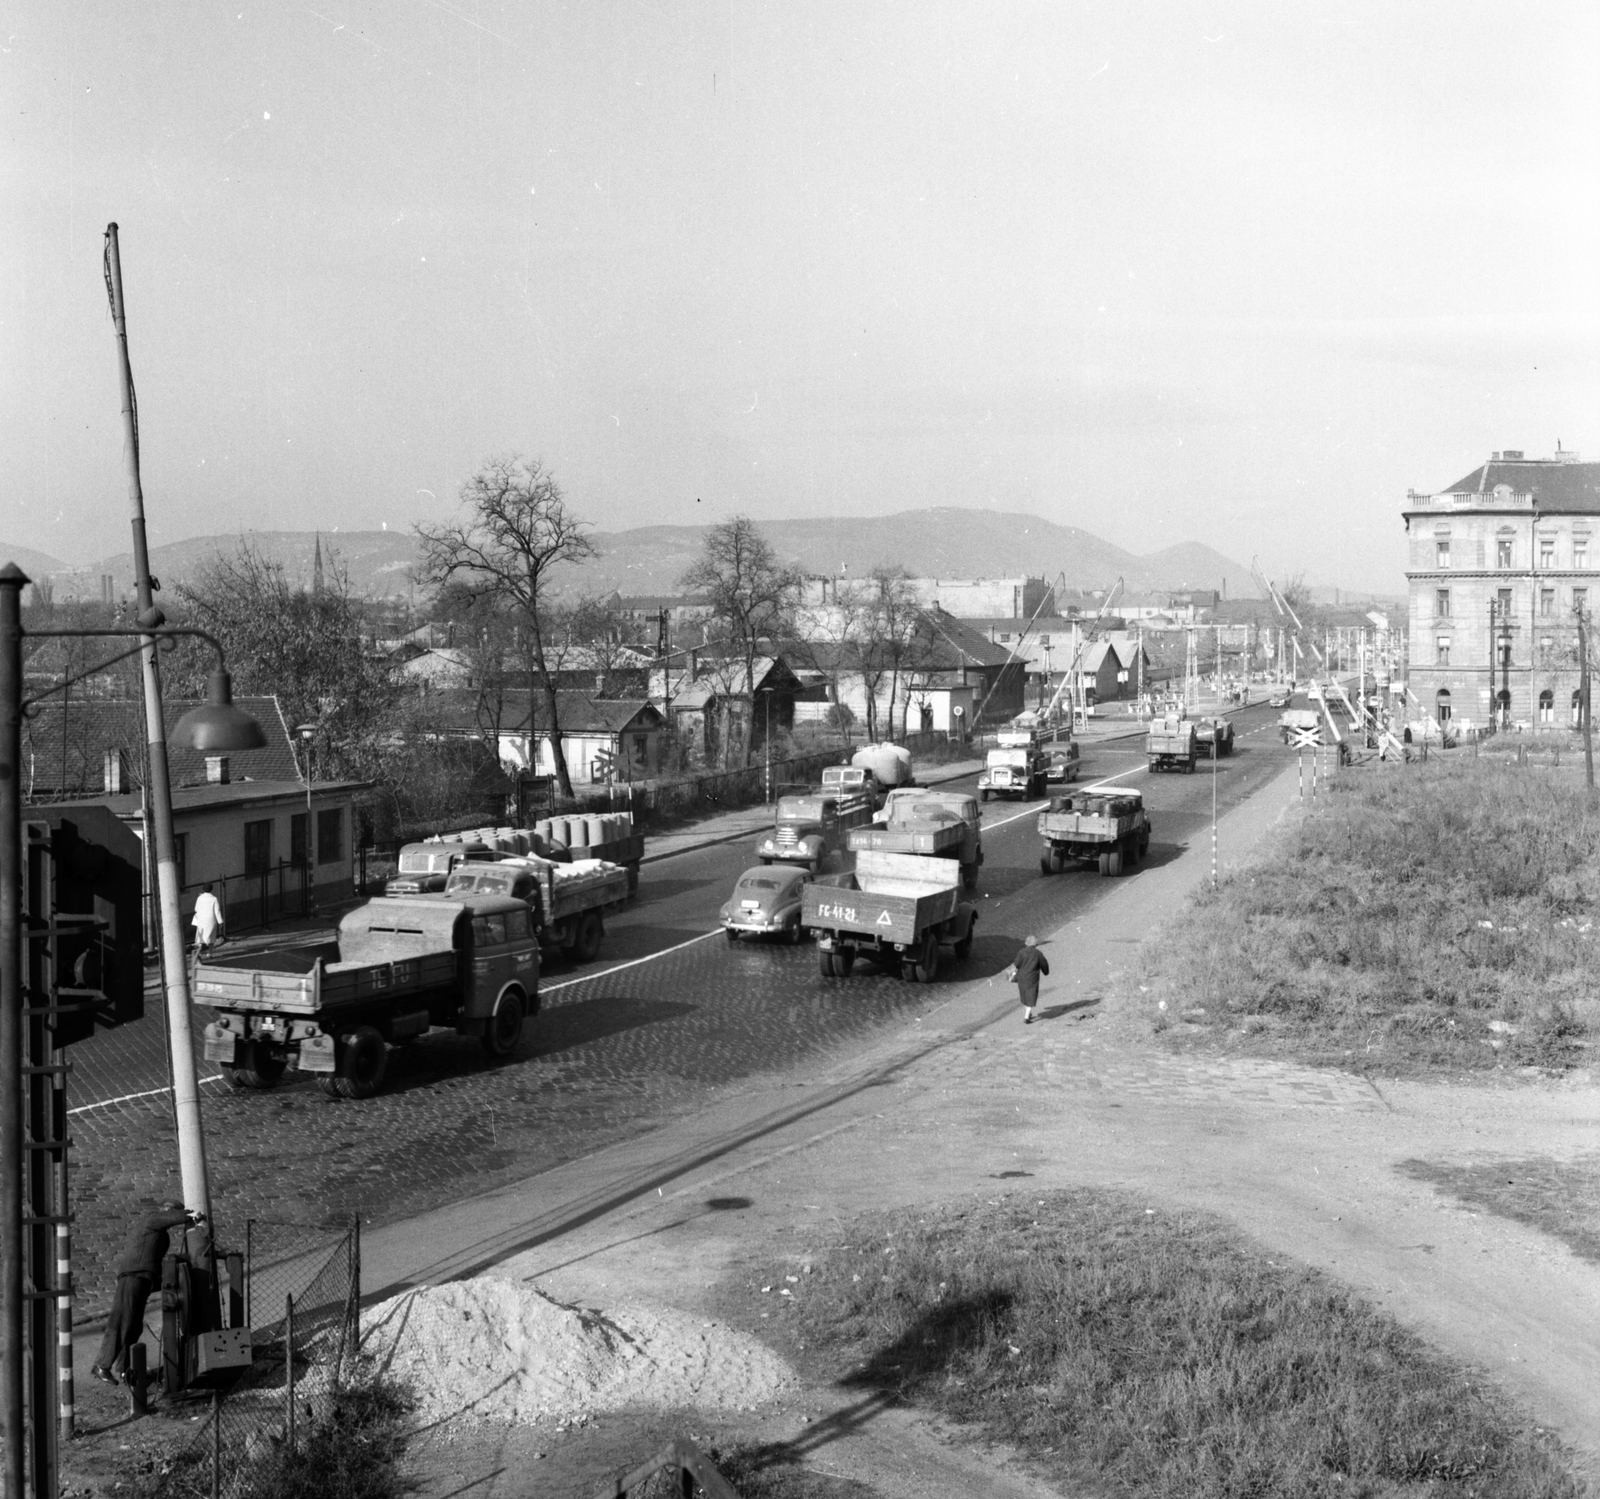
{"points": [[175, 974], [13, 1431], [1583, 699]]}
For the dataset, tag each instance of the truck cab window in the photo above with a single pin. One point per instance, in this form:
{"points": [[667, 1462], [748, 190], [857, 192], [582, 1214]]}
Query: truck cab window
{"points": [[516, 926], [488, 931]]}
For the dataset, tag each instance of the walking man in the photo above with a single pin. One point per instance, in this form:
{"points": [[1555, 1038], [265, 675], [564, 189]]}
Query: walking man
{"points": [[1025, 971], [208, 922], [138, 1273]]}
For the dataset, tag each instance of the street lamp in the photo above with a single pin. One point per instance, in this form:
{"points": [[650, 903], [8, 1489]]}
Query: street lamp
{"points": [[215, 726], [303, 732]]}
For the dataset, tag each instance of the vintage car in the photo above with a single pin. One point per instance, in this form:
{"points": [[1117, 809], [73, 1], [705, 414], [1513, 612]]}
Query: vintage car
{"points": [[1214, 737], [1061, 762], [1278, 700], [766, 903]]}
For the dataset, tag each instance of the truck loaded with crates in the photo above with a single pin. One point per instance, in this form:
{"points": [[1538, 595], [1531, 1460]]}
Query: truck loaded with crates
{"points": [[809, 826], [898, 910], [424, 868], [946, 824], [1016, 766], [1170, 743], [400, 966], [1107, 827], [568, 900]]}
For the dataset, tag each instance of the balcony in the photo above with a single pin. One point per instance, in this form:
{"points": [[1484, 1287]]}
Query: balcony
{"points": [[1502, 501]]}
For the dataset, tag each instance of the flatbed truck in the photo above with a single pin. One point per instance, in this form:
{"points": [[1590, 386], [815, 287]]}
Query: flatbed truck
{"points": [[946, 824], [569, 901], [1109, 828], [897, 909], [1170, 744], [400, 966]]}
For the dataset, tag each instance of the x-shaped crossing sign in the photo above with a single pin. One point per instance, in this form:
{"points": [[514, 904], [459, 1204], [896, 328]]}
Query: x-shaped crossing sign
{"points": [[1305, 738]]}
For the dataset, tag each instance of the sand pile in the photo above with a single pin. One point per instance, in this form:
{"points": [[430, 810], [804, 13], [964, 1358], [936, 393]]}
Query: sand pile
{"points": [[498, 1350]]}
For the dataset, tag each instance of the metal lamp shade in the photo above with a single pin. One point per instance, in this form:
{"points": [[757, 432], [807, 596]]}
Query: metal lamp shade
{"points": [[217, 726]]}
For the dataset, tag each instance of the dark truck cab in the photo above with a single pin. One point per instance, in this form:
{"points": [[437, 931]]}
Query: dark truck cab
{"points": [[400, 966]]}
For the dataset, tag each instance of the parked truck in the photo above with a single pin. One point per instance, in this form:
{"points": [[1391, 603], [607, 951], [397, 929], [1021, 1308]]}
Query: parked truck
{"points": [[946, 824], [424, 868], [568, 900], [898, 909], [809, 827], [1170, 743], [1014, 767], [608, 836], [1108, 828], [399, 966]]}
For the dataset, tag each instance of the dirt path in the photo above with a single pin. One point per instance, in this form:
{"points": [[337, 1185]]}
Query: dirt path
{"points": [[1302, 1160]]}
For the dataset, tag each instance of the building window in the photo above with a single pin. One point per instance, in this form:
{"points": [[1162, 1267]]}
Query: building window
{"points": [[1441, 705], [257, 847], [1580, 552], [297, 839], [1547, 552], [1547, 602], [1442, 658], [1504, 598], [1005, 637], [1580, 600], [1547, 706], [1441, 603], [330, 836], [1502, 552], [1441, 553]]}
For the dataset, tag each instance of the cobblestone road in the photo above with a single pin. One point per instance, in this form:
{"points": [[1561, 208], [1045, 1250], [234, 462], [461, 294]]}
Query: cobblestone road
{"points": [[613, 1053]]}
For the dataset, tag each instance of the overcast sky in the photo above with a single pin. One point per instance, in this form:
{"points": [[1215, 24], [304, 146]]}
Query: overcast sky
{"points": [[1230, 273]]}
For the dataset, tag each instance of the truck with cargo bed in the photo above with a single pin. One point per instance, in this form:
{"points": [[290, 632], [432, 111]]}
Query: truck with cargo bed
{"points": [[568, 900], [897, 909], [1015, 767], [808, 827], [400, 966], [1109, 828], [919, 821], [1170, 744], [609, 836]]}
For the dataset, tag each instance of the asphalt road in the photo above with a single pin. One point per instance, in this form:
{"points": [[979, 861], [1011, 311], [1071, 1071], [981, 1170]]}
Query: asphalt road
{"points": [[670, 1014]]}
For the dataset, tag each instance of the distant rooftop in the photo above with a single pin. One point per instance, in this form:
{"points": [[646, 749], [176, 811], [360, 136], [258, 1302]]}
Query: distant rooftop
{"points": [[1510, 480]]}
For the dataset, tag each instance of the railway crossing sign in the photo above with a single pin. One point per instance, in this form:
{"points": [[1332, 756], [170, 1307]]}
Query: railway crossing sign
{"points": [[1308, 738]]}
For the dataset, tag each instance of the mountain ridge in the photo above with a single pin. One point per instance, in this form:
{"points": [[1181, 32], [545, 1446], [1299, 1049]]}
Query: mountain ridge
{"points": [[939, 541]]}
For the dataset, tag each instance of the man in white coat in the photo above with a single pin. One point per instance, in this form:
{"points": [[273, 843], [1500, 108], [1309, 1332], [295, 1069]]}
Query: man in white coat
{"points": [[208, 922]]}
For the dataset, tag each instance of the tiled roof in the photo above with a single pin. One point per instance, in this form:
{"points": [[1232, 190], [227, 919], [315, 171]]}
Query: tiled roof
{"points": [[1572, 487], [580, 713], [95, 725]]}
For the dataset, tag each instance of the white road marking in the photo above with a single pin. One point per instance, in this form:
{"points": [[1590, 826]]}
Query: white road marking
{"points": [[589, 978], [105, 1103]]}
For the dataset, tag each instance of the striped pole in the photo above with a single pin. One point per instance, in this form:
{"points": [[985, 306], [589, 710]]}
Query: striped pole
{"points": [[66, 1399], [1302, 774]]}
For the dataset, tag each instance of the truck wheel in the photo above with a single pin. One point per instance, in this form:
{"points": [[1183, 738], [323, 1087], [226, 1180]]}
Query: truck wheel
{"points": [[1105, 863], [590, 930], [261, 1070], [504, 1030], [843, 961], [633, 878], [1113, 858], [825, 964], [969, 876], [363, 1061], [1144, 843], [1046, 864], [926, 967], [983, 796], [963, 948]]}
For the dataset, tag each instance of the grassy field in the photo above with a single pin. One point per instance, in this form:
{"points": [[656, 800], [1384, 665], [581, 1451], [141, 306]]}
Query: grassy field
{"points": [[1435, 917], [1124, 1350], [1560, 1198]]}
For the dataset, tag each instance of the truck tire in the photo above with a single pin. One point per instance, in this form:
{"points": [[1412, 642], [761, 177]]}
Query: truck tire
{"points": [[1144, 843], [503, 1031], [925, 968], [260, 1071], [1105, 862], [633, 878], [1113, 859], [843, 961], [363, 1060], [825, 963], [586, 947], [1046, 863], [969, 876], [983, 796], [963, 948]]}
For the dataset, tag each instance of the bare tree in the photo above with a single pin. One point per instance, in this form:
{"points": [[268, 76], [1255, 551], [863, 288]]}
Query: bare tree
{"points": [[894, 640], [750, 594], [826, 637], [517, 528]]}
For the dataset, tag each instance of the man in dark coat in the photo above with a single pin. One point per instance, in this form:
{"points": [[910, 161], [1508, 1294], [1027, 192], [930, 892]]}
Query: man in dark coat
{"points": [[1026, 969], [138, 1273]]}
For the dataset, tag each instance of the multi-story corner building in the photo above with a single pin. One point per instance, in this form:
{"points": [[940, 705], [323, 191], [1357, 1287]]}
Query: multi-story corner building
{"points": [[1500, 565]]}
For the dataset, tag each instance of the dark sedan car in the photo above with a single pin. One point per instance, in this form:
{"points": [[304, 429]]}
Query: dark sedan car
{"points": [[766, 903]]}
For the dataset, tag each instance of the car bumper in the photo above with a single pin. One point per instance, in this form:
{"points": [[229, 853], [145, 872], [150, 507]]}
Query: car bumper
{"points": [[753, 928]]}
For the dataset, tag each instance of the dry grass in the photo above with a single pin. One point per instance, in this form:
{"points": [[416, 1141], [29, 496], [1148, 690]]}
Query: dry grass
{"points": [[1560, 1198], [1127, 1351], [1439, 917]]}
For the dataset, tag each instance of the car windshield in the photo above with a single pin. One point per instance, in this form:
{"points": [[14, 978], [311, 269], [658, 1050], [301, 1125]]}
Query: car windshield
{"points": [[800, 809], [1015, 759]]}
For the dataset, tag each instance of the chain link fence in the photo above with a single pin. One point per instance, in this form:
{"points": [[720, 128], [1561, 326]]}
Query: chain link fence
{"points": [[302, 1305]]}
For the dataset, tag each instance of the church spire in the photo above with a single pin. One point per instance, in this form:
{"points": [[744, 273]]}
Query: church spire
{"points": [[316, 567]]}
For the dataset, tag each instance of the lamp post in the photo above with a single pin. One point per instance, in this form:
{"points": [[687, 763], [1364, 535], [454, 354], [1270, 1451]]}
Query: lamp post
{"points": [[303, 733], [215, 726]]}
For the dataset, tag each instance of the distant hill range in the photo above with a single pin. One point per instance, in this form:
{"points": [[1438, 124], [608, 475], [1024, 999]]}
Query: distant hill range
{"points": [[944, 542]]}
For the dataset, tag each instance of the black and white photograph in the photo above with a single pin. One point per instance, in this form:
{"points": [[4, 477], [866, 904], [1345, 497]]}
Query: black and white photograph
{"points": [[799, 751]]}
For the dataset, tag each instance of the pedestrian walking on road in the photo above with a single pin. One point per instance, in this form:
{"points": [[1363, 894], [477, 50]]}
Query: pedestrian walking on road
{"points": [[1025, 971], [208, 922], [138, 1273]]}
